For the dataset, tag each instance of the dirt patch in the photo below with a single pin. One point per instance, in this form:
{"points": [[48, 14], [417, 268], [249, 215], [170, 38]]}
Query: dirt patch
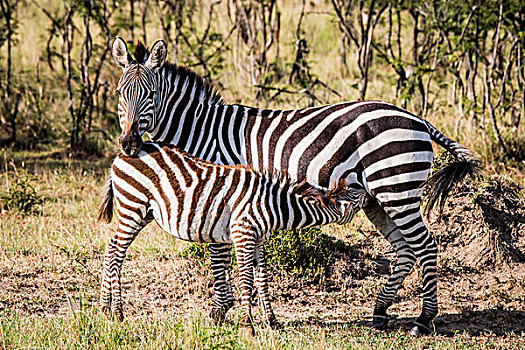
{"points": [[484, 226], [481, 271], [481, 236]]}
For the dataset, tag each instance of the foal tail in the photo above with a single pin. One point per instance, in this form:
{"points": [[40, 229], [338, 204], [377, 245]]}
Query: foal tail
{"points": [[105, 209], [443, 181]]}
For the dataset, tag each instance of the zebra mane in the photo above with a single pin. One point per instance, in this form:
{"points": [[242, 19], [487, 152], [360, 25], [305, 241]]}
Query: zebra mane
{"points": [[141, 52], [211, 94], [202, 85], [304, 188]]}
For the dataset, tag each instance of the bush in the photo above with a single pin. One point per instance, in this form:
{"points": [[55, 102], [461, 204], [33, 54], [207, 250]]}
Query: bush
{"points": [[196, 251], [305, 251], [20, 196]]}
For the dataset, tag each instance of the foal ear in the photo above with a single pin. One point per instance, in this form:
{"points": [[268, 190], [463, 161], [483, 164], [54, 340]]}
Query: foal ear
{"points": [[119, 52], [159, 51]]}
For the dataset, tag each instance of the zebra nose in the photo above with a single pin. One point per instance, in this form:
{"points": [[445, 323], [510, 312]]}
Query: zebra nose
{"points": [[130, 144], [125, 145]]}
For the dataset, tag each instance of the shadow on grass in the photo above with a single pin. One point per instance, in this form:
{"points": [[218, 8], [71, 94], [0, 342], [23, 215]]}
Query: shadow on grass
{"points": [[61, 160], [474, 323]]}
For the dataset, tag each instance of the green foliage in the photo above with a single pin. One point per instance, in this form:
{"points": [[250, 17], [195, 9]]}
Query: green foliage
{"points": [[196, 251], [307, 251], [304, 251], [21, 195]]}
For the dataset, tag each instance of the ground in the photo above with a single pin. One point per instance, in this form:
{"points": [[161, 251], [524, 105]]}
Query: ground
{"points": [[50, 266]]}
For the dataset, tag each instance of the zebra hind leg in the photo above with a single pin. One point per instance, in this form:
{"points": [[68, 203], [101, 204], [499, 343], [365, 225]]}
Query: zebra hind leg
{"points": [[261, 284], [220, 256], [422, 243], [404, 262]]}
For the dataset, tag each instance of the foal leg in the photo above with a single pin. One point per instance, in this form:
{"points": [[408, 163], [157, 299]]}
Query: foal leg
{"points": [[220, 256], [110, 295], [404, 262], [261, 284], [244, 241]]}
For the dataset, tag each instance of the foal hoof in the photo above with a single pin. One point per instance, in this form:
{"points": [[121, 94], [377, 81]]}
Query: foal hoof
{"points": [[420, 329], [104, 309], [247, 331], [380, 321], [274, 324]]}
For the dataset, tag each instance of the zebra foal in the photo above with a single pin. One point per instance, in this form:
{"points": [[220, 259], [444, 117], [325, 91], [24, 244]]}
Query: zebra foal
{"points": [[198, 201]]}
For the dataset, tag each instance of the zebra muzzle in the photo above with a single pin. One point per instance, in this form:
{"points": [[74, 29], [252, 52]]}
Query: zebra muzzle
{"points": [[130, 143]]}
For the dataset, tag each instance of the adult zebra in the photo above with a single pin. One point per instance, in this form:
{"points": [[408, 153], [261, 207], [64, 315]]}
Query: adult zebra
{"points": [[199, 201], [373, 145]]}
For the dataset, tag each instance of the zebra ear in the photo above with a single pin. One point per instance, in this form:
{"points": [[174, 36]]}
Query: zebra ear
{"points": [[159, 51], [119, 51]]}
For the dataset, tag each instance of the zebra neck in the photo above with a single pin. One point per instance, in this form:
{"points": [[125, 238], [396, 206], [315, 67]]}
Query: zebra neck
{"points": [[189, 118], [303, 213]]}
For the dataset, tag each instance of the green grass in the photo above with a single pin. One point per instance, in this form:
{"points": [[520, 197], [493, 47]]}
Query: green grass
{"points": [[84, 328], [49, 283]]}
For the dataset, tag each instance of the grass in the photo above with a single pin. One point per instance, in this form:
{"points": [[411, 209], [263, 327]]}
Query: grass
{"points": [[86, 329], [49, 282], [50, 258]]}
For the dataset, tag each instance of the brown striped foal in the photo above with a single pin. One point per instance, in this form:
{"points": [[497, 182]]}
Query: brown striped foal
{"points": [[199, 201]]}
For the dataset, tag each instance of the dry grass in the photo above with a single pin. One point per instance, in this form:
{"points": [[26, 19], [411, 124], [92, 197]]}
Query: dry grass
{"points": [[49, 283], [50, 259]]}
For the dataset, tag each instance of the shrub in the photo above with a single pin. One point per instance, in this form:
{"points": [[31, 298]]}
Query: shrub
{"points": [[304, 251], [196, 251], [21, 195]]}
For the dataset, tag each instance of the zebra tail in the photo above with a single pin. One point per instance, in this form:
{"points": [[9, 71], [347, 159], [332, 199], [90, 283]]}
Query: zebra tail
{"points": [[105, 209], [445, 180]]}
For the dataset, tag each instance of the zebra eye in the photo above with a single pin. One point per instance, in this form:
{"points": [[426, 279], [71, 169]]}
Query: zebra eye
{"points": [[117, 91], [152, 93]]}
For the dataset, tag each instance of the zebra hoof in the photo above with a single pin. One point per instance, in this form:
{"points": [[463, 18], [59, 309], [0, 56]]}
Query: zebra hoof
{"points": [[419, 330], [380, 321], [273, 323], [218, 315], [248, 331], [104, 309], [118, 315]]}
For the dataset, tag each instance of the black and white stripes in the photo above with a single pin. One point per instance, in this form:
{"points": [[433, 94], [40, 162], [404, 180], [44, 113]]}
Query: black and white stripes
{"points": [[372, 145], [199, 201]]}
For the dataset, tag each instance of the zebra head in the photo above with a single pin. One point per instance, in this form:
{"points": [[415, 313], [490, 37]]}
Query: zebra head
{"points": [[137, 89], [350, 203], [344, 202]]}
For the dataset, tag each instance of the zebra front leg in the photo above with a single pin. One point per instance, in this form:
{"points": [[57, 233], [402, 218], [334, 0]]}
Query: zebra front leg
{"points": [[115, 253], [422, 243], [220, 257], [403, 265], [261, 284], [244, 242]]}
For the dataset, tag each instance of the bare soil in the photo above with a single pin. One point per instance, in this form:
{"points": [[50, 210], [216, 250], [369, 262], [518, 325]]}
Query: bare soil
{"points": [[481, 235]]}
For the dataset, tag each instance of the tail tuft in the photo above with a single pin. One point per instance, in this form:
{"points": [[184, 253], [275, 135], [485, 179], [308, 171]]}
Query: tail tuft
{"points": [[105, 209], [446, 179]]}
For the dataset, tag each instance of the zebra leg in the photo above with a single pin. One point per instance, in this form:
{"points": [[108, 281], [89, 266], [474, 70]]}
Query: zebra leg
{"points": [[412, 227], [244, 243], [261, 284], [220, 256], [404, 262], [110, 295]]}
